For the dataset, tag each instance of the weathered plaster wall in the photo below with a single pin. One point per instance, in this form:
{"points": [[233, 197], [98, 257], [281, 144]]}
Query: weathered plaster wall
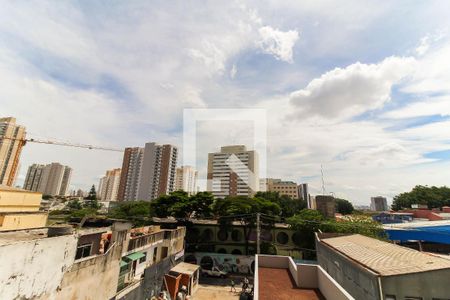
{"points": [[90, 278], [16, 221], [33, 268]]}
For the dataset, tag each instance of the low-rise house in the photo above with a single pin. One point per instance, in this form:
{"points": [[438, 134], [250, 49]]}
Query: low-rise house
{"points": [[372, 269]]}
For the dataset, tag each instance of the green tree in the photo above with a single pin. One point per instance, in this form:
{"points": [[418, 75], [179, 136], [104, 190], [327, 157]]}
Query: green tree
{"points": [[81, 213], [343, 206], [243, 209], [92, 195], [433, 197], [200, 205], [131, 210], [74, 204], [288, 206], [173, 204], [307, 222]]}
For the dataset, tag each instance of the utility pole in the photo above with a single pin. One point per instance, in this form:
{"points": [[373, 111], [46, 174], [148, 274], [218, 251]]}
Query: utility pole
{"points": [[258, 233]]}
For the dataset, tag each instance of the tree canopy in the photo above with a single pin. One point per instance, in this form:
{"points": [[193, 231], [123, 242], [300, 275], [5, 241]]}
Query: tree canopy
{"points": [[433, 197], [180, 205], [288, 206], [308, 221], [92, 194], [343, 206]]}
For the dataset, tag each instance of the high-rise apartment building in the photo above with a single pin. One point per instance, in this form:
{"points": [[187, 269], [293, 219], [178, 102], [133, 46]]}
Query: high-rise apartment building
{"points": [[233, 171], [109, 185], [11, 142], [148, 172], [129, 177], [33, 178], [378, 203], [286, 188], [186, 179], [52, 179], [303, 193]]}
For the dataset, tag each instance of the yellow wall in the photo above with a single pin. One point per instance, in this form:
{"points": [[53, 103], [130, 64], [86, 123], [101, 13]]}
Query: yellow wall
{"points": [[15, 200], [12, 221]]}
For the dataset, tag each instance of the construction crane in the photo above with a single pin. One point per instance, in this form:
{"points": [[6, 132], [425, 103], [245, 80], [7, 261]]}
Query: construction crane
{"points": [[59, 143]]}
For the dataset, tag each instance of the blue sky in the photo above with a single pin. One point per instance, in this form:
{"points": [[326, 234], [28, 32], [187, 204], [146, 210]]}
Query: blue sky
{"points": [[360, 87]]}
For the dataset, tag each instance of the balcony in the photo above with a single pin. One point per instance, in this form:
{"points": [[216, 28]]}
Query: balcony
{"points": [[279, 277], [141, 240]]}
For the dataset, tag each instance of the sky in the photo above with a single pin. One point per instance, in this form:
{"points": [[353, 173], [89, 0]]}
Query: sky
{"points": [[361, 88]]}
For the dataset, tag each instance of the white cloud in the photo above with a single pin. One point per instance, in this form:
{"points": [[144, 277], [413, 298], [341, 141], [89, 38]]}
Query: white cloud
{"points": [[278, 43], [433, 71], [352, 90], [423, 46], [428, 107], [233, 71]]}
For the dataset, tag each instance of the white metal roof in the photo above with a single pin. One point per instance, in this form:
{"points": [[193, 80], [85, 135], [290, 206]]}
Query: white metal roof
{"points": [[385, 258]]}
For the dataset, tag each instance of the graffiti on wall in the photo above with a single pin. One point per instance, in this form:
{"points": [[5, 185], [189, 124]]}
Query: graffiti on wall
{"points": [[243, 264]]}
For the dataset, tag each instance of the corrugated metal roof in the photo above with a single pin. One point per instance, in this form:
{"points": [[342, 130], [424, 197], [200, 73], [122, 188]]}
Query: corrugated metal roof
{"points": [[385, 258]]}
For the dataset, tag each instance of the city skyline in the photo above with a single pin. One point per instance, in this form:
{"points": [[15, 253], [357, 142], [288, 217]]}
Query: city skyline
{"points": [[354, 87]]}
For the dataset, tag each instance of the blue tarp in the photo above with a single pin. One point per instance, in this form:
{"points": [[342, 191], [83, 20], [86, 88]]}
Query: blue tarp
{"points": [[435, 234]]}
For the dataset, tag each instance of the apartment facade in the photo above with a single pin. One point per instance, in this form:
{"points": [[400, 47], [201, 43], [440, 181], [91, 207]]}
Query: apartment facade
{"points": [[186, 179], [33, 178], [52, 179], [378, 203], [114, 262], [233, 171], [109, 185], [11, 142], [286, 188], [148, 172]]}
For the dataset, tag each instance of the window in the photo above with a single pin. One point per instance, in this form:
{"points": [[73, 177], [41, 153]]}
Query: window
{"points": [[83, 251], [155, 254], [143, 259], [164, 252]]}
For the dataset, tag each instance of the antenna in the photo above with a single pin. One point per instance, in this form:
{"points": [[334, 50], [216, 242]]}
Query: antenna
{"points": [[323, 182]]}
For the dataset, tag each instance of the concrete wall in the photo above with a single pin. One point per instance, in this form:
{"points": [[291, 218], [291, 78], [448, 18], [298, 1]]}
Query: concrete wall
{"points": [[330, 288], [428, 285], [273, 261], [307, 276], [16, 221], [34, 268], [90, 278]]}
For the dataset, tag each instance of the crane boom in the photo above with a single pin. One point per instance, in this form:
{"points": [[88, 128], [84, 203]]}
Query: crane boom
{"points": [[59, 143]]}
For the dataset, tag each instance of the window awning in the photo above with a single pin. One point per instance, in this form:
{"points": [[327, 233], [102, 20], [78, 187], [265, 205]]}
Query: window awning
{"points": [[135, 255], [123, 263]]}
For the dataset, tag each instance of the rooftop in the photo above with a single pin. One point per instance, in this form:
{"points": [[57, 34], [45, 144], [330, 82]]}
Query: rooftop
{"points": [[185, 268], [6, 188], [385, 258], [11, 237], [279, 284]]}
